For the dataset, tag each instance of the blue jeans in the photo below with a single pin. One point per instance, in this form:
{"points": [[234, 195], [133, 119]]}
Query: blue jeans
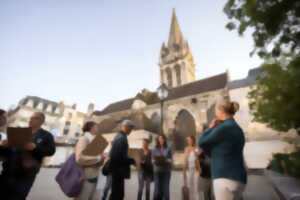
{"points": [[162, 185], [107, 186], [142, 180]]}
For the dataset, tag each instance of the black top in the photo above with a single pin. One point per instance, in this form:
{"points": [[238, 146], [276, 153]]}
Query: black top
{"points": [[45, 145], [120, 162], [147, 166]]}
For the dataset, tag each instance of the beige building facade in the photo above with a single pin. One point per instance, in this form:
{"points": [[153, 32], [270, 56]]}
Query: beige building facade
{"points": [[61, 120]]}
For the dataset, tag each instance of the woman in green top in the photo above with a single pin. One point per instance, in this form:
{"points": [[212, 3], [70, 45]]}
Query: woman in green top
{"points": [[226, 142]]}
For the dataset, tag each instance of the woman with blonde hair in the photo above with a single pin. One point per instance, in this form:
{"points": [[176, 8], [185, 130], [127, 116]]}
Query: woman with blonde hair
{"points": [[226, 142], [91, 164]]}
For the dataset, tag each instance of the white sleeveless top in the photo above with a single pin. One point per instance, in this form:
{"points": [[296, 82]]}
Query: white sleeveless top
{"points": [[191, 160]]}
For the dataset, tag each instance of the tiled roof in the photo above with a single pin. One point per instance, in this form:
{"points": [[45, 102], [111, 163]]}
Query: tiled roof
{"points": [[197, 87], [37, 100], [115, 107]]}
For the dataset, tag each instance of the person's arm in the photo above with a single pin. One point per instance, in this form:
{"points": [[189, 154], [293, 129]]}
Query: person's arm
{"points": [[155, 156], [212, 136], [83, 159], [45, 147], [169, 157], [185, 164]]}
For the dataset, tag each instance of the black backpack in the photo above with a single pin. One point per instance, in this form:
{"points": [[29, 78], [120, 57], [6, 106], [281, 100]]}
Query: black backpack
{"points": [[205, 164]]}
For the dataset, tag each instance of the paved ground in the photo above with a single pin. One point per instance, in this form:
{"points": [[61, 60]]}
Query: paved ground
{"points": [[45, 187]]}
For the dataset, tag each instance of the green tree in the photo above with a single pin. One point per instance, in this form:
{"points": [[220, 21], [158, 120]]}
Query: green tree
{"points": [[275, 22], [275, 100]]}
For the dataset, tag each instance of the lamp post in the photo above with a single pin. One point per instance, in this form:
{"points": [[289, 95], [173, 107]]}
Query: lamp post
{"points": [[162, 93]]}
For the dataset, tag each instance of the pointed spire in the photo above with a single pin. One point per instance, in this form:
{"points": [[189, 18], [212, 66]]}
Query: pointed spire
{"points": [[175, 36], [163, 46]]}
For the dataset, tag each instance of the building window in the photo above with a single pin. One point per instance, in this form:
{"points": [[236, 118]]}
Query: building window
{"points": [[67, 127], [169, 77], [77, 134], [178, 74]]}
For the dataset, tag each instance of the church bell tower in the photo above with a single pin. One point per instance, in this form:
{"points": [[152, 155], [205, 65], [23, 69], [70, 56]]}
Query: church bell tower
{"points": [[176, 61]]}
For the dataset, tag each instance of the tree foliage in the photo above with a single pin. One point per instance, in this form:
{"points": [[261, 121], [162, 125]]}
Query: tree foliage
{"points": [[275, 100], [275, 22]]}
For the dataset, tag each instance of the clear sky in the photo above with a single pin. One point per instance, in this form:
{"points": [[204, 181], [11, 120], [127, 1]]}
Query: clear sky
{"points": [[102, 51]]}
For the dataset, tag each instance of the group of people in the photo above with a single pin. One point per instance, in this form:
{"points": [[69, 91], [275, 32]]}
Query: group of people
{"points": [[154, 166], [222, 142]]}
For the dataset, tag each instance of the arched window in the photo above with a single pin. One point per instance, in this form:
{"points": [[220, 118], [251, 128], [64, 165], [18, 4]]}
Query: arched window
{"points": [[184, 126], [178, 74], [156, 121], [169, 77]]}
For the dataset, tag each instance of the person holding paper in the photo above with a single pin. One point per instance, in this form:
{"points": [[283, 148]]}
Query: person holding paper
{"points": [[145, 172], [162, 160], [91, 164], [21, 168]]}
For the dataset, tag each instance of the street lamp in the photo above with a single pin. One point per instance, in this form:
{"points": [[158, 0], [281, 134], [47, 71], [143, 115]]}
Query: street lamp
{"points": [[162, 93]]}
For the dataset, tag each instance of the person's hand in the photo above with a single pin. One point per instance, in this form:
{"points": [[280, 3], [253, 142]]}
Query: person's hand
{"points": [[215, 123], [132, 161], [167, 161], [198, 151], [4, 143], [184, 178], [30, 146], [102, 157]]}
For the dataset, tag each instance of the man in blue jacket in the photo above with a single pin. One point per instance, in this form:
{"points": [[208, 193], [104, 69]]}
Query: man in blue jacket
{"points": [[120, 162]]}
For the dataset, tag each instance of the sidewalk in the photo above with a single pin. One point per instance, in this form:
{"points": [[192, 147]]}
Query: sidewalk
{"points": [[45, 187]]}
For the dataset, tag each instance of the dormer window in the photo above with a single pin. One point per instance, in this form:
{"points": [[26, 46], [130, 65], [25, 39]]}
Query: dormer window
{"points": [[49, 108], [40, 106], [30, 103]]}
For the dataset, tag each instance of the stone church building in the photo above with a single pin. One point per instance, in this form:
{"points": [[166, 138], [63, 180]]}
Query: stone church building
{"points": [[190, 103]]}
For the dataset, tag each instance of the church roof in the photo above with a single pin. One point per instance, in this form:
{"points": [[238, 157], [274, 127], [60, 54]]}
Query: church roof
{"points": [[251, 79], [204, 85], [116, 107], [175, 36]]}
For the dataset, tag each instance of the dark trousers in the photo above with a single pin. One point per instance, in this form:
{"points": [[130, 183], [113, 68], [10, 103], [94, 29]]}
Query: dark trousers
{"points": [[117, 187], [107, 186], [13, 184], [16, 189], [162, 185], [142, 181]]}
